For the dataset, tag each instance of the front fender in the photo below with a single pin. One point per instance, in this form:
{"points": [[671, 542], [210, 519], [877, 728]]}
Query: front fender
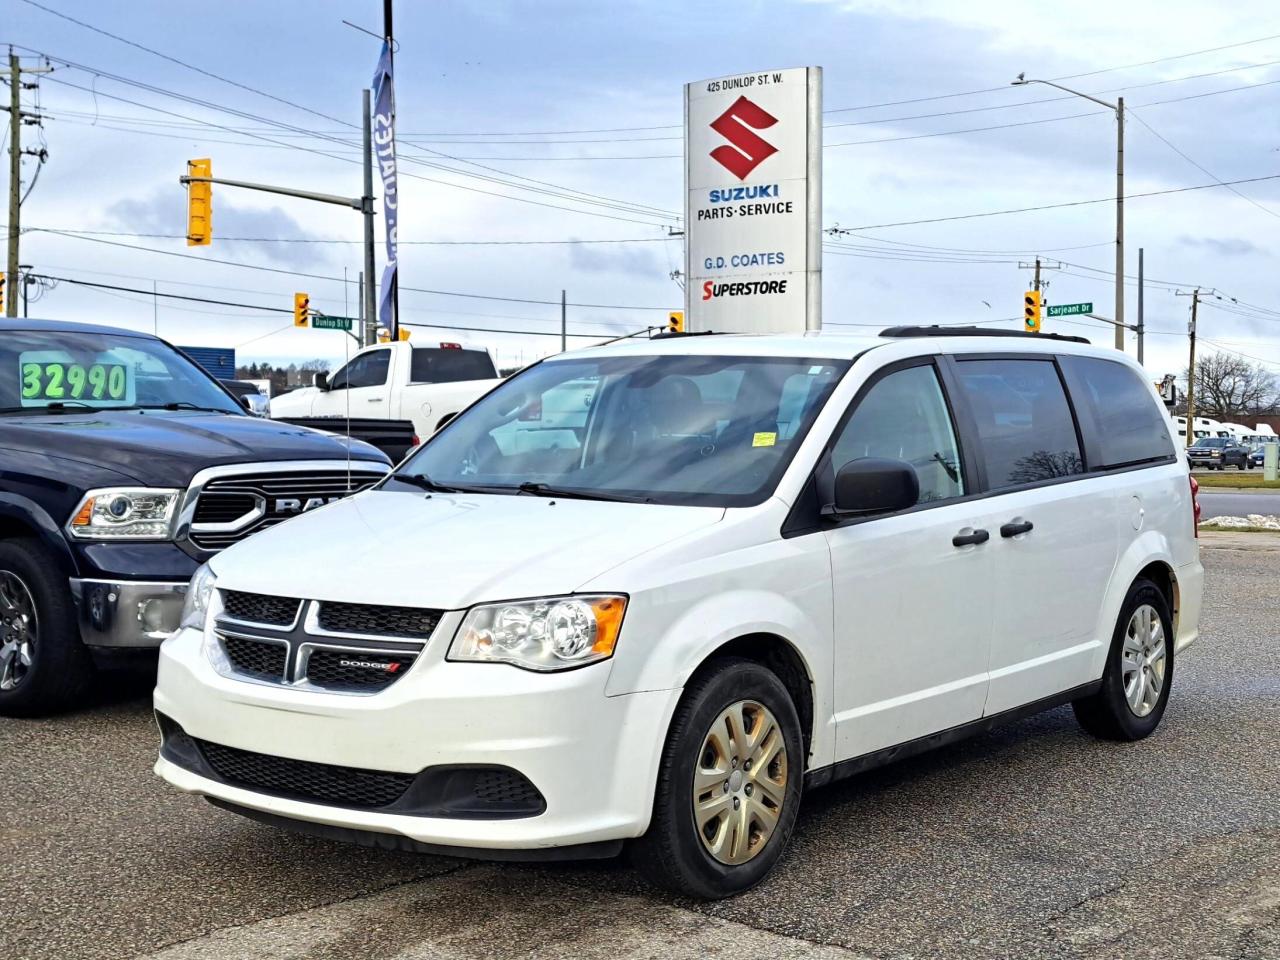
{"points": [[22, 516], [699, 628]]}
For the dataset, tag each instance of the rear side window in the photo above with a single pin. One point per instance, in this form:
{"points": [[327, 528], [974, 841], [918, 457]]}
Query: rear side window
{"points": [[1024, 423], [450, 366], [1131, 427]]}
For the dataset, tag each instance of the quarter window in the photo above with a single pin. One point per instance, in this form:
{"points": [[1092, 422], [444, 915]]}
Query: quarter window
{"points": [[904, 417], [1131, 426], [1023, 420]]}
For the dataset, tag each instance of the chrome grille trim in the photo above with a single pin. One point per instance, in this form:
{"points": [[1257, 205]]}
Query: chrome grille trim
{"points": [[301, 479]]}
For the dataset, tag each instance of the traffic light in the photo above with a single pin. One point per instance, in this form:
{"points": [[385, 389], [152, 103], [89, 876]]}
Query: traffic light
{"points": [[301, 309], [199, 204], [404, 333], [1031, 311], [1, 291], [675, 321]]}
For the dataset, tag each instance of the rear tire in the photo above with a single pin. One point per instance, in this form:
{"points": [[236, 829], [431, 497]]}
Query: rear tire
{"points": [[44, 667], [728, 838], [1139, 672]]}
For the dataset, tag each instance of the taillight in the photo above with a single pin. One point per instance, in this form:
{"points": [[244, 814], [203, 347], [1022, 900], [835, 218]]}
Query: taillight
{"points": [[1195, 503]]}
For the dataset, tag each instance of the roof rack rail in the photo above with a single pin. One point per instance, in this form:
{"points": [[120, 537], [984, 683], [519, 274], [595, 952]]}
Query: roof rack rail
{"points": [[960, 331]]}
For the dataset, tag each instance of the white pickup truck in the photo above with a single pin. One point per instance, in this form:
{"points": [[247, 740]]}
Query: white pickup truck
{"points": [[397, 381]]}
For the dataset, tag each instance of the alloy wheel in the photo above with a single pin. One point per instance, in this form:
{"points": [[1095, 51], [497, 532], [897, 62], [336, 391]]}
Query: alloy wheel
{"points": [[18, 630], [740, 782], [1143, 661]]}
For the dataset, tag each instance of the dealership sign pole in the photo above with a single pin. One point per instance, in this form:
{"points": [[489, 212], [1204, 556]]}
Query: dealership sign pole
{"points": [[753, 202]]}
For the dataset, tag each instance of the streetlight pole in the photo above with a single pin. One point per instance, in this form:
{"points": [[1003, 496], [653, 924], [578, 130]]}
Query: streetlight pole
{"points": [[1118, 107]]}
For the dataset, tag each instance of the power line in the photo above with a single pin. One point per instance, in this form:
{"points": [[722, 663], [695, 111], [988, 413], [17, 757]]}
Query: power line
{"points": [[1058, 206], [425, 243]]}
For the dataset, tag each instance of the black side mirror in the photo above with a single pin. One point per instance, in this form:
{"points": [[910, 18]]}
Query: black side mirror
{"points": [[875, 485], [322, 380]]}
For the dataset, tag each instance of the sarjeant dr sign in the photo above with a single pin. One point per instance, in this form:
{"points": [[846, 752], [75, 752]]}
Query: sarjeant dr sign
{"points": [[753, 202]]}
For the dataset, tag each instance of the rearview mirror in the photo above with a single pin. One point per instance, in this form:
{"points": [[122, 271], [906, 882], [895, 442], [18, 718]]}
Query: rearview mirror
{"points": [[322, 380], [875, 485]]}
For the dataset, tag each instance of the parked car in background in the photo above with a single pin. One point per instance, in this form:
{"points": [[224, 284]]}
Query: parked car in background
{"points": [[123, 467], [652, 593], [1214, 453], [397, 381], [249, 396]]}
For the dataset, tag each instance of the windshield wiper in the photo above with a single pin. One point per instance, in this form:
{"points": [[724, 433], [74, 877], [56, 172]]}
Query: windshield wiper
{"points": [[174, 405], [423, 482], [535, 489]]}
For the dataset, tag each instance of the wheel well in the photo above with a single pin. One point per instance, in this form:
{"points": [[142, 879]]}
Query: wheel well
{"points": [[779, 656], [445, 419], [1161, 574], [11, 527]]}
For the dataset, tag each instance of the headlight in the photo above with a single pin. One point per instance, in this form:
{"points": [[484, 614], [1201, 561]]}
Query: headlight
{"points": [[553, 633], [125, 513], [195, 608]]}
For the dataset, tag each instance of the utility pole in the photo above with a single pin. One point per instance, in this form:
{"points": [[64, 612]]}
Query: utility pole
{"points": [[1037, 281], [1142, 329], [16, 118], [564, 329], [1191, 367], [1120, 224], [368, 297]]}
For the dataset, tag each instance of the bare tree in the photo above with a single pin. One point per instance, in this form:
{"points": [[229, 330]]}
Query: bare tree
{"points": [[1228, 387]]}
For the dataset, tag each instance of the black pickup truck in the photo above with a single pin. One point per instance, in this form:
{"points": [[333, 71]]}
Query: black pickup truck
{"points": [[123, 467]]}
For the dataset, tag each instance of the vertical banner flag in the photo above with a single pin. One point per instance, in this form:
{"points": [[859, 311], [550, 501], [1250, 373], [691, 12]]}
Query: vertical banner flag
{"points": [[753, 202], [384, 149]]}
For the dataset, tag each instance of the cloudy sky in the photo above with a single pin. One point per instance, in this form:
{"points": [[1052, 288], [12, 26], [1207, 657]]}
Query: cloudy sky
{"points": [[525, 125]]}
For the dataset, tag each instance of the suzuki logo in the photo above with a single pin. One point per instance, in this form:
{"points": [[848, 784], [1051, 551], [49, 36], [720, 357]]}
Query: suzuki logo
{"points": [[294, 505], [748, 151]]}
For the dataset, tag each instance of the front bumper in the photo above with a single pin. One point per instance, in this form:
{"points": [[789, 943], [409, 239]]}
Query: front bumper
{"points": [[127, 613], [593, 758]]}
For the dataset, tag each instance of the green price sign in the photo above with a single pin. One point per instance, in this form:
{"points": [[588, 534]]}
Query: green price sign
{"points": [[52, 381]]}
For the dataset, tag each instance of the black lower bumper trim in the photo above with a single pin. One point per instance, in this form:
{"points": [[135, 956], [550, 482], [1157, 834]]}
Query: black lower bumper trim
{"points": [[602, 850]]}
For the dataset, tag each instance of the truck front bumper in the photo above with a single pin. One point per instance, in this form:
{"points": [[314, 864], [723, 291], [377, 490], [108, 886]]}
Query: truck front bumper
{"points": [[127, 613]]}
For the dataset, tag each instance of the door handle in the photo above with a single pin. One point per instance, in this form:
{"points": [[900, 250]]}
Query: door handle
{"points": [[1016, 528], [373, 400], [970, 539]]}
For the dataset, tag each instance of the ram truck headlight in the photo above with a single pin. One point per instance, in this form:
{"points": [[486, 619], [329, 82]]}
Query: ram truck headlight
{"points": [[125, 513], [195, 607], [547, 634]]}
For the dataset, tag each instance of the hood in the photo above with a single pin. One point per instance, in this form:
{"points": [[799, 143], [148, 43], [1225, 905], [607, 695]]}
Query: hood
{"points": [[450, 551], [165, 449]]}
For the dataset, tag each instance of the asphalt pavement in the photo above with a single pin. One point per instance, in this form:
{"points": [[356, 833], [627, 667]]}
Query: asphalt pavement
{"points": [[1035, 841], [1223, 503]]}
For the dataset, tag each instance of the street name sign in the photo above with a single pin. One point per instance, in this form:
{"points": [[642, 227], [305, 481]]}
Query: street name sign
{"points": [[1069, 309], [330, 323]]}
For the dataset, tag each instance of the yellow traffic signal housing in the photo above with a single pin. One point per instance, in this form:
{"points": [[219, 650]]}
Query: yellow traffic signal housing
{"points": [[1031, 311], [404, 333], [675, 321], [199, 204], [301, 309]]}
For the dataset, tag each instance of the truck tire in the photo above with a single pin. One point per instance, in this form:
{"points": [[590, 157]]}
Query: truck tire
{"points": [[729, 784], [44, 667]]}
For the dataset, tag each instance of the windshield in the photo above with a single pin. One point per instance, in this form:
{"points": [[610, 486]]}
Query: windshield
{"points": [[1211, 442], [60, 370], [716, 431]]}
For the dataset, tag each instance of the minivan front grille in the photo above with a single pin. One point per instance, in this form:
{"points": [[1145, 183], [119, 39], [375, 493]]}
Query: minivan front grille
{"points": [[231, 507], [260, 659], [302, 779], [373, 620], [355, 669], [260, 608]]}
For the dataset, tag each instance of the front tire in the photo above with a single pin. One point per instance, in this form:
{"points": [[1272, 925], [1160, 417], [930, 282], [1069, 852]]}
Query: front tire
{"points": [[729, 784], [43, 665], [1139, 671]]}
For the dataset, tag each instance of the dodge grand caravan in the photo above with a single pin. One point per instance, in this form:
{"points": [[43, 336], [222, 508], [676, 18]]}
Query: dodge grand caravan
{"points": [[652, 593]]}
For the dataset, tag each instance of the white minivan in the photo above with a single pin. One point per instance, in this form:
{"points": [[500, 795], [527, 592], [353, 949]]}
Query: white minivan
{"points": [[649, 594]]}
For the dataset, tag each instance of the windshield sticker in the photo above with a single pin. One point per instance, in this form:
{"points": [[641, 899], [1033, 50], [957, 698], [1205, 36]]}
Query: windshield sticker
{"points": [[764, 439], [46, 381]]}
